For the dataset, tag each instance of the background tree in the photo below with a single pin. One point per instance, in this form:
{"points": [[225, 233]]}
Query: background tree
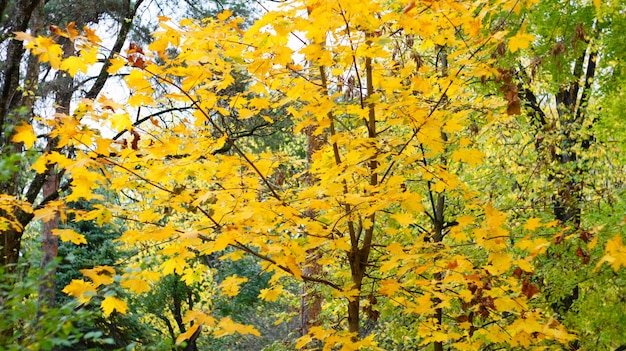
{"points": [[564, 161]]}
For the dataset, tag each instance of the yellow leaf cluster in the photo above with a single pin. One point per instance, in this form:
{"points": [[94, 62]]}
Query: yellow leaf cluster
{"points": [[70, 235], [231, 285], [614, 254]]}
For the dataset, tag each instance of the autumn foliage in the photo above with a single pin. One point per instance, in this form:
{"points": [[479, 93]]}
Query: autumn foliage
{"points": [[386, 205]]}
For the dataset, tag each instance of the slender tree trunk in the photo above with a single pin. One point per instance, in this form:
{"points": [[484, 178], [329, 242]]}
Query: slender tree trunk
{"points": [[311, 301], [439, 205], [359, 255], [49, 241], [50, 249]]}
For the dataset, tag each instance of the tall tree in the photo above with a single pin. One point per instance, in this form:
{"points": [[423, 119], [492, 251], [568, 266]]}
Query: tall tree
{"points": [[382, 114]]}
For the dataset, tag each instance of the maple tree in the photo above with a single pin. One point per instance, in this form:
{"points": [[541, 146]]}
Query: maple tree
{"points": [[378, 218]]}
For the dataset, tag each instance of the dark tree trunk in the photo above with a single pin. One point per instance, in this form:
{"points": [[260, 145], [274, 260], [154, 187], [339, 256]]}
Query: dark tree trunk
{"points": [[10, 99], [571, 104]]}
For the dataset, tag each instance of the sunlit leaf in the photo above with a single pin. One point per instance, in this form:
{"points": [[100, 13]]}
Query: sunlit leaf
{"points": [[111, 303], [24, 134], [70, 235]]}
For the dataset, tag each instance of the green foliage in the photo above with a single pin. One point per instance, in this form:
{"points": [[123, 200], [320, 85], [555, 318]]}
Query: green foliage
{"points": [[100, 332], [597, 315], [32, 327], [9, 165]]}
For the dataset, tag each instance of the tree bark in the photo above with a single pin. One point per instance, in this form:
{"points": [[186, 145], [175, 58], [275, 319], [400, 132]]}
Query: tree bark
{"points": [[10, 100], [50, 248], [311, 301], [49, 241], [9, 95]]}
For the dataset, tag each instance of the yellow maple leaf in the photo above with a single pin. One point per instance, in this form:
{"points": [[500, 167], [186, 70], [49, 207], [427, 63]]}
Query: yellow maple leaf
{"points": [[89, 55], [40, 165], [532, 223], [520, 41], [227, 326], [224, 15], [99, 275], [245, 113], [111, 303], [389, 287], [404, 219], [47, 50], [438, 186], [551, 224], [73, 64], [303, 340], [70, 235], [135, 284], [524, 264], [45, 213], [24, 134], [465, 220], [80, 289], [175, 264], [233, 256], [615, 253], [506, 303], [116, 64], [138, 82], [533, 246], [137, 100], [457, 234], [412, 202], [472, 157], [293, 267], [199, 317], [271, 294], [231, 285], [187, 334], [500, 261], [347, 292], [121, 122], [424, 304], [90, 34]]}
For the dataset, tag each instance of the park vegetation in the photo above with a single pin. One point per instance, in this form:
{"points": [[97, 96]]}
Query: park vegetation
{"points": [[315, 175]]}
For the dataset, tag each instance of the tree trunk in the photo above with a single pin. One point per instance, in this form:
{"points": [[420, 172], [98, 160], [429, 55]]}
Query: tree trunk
{"points": [[50, 242], [10, 99], [571, 104], [50, 248], [311, 301]]}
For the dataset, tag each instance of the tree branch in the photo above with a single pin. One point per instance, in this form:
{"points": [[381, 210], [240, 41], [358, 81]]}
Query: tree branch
{"points": [[305, 277], [126, 25]]}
